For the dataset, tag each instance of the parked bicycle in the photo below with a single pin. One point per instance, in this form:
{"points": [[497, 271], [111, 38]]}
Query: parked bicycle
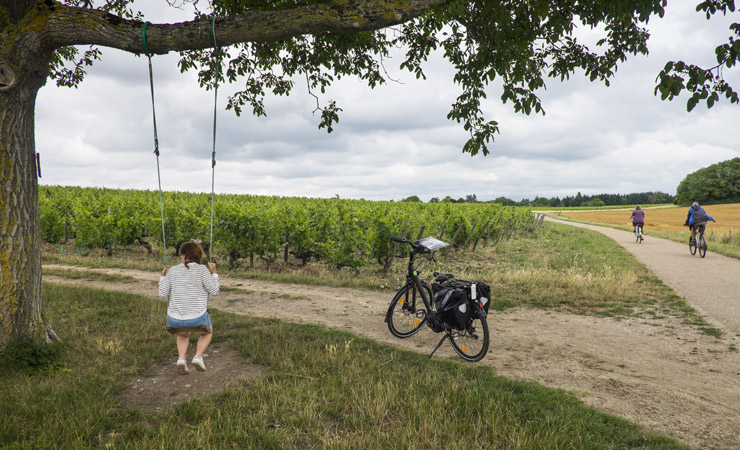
{"points": [[698, 244], [457, 308]]}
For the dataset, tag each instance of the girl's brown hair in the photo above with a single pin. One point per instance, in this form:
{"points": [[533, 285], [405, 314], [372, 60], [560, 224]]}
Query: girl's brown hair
{"points": [[192, 252]]}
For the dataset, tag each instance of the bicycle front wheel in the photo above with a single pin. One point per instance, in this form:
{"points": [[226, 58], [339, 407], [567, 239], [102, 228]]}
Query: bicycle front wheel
{"points": [[692, 246], [472, 343], [407, 312], [702, 246]]}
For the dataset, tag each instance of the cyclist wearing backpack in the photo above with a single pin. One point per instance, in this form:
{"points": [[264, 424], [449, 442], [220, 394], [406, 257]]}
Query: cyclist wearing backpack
{"points": [[697, 219]]}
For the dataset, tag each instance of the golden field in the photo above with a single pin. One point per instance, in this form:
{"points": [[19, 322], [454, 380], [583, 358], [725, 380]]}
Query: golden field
{"points": [[670, 219]]}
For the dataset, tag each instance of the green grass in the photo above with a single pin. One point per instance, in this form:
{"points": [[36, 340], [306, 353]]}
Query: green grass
{"points": [[583, 272], [325, 389]]}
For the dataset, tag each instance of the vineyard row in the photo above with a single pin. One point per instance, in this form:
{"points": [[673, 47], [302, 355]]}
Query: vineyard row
{"points": [[340, 232]]}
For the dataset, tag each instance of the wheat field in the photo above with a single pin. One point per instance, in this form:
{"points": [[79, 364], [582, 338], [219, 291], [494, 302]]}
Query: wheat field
{"points": [[667, 219]]}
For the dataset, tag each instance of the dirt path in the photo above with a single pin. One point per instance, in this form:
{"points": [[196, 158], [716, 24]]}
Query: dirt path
{"points": [[662, 374]]}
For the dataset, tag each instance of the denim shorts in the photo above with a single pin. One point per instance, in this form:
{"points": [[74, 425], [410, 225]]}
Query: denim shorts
{"points": [[202, 323]]}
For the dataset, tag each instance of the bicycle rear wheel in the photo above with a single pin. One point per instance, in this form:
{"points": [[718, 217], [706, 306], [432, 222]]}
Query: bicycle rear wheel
{"points": [[407, 312], [472, 343], [702, 246], [692, 246]]}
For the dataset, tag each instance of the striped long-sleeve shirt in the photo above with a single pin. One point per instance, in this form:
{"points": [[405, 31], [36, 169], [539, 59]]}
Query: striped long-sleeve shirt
{"points": [[188, 289]]}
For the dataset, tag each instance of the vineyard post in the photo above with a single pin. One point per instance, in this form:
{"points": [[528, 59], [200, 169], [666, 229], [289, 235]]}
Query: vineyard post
{"points": [[502, 231], [285, 252], [520, 227], [470, 235], [539, 222], [488, 234], [66, 228], [480, 234], [535, 222], [510, 227], [442, 233], [515, 228], [454, 236], [528, 223], [389, 259], [421, 232]]}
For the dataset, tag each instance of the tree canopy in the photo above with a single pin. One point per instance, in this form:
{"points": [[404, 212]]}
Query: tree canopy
{"points": [[266, 45], [718, 183]]}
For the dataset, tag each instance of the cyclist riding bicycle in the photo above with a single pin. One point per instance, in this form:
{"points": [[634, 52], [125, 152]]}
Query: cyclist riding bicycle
{"points": [[697, 219], [638, 218]]}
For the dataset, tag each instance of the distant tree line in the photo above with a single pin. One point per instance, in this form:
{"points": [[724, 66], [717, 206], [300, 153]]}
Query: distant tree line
{"points": [[718, 183], [570, 201]]}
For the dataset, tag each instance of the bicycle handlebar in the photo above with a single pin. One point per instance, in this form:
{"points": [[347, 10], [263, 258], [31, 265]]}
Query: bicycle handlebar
{"points": [[417, 248]]}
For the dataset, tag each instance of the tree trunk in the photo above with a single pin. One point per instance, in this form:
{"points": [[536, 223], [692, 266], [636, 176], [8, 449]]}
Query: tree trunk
{"points": [[21, 311]]}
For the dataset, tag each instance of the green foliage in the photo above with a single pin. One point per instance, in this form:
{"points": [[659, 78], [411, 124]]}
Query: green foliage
{"points": [[594, 202], [413, 198], [340, 232], [32, 356], [516, 44], [718, 183], [704, 84]]}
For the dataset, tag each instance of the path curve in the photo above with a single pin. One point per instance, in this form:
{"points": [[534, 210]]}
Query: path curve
{"points": [[711, 285]]}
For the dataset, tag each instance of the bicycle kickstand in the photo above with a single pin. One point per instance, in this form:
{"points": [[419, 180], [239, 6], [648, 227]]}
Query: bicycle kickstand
{"points": [[438, 345]]}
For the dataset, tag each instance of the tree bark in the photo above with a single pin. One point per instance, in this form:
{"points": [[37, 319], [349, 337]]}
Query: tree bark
{"points": [[23, 70], [64, 25], [30, 32]]}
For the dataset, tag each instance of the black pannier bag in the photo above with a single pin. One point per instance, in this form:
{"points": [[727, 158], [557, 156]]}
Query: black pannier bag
{"points": [[453, 306], [483, 292]]}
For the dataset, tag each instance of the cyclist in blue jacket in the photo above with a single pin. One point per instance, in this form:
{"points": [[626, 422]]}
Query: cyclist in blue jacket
{"points": [[697, 219]]}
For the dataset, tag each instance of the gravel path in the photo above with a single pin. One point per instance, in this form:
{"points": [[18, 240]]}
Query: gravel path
{"points": [[711, 284]]}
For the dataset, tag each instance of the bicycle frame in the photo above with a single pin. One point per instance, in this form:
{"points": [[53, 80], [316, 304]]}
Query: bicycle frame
{"points": [[413, 316], [412, 278]]}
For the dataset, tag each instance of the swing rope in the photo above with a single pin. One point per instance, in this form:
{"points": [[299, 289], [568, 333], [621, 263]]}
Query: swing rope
{"points": [[217, 52], [156, 139]]}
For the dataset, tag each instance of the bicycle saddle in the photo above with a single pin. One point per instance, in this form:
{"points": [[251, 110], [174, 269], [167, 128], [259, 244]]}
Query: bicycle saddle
{"points": [[440, 277]]}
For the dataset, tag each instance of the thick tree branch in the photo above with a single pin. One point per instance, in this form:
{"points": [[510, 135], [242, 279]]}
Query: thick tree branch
{"points": [[66, 25]]}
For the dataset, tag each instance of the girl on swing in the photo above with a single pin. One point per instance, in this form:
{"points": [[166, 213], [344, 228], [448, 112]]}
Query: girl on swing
{"points": [[188, 285]]}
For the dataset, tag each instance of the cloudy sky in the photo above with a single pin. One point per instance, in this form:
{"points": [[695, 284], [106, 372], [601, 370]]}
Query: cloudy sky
{"points": [[394, 141]]}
